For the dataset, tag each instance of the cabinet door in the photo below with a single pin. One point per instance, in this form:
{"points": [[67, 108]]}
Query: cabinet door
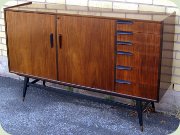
{"points": [[29, 49], [86, 51]]}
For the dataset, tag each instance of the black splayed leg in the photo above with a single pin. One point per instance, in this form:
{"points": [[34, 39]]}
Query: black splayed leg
{"points": [[44, 83], [140, 113], [26, 81], [153, 106]]}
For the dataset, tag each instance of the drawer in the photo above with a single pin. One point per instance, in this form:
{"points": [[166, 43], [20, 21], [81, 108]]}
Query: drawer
{"points": [[138, 90], [142, 74], [133, 47], [143, 49], [128, 89], [139, 38], [128, 60], [127, 73], [139, 26]]}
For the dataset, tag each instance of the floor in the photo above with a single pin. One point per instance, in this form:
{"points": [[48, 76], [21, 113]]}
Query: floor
{"points": [[48, 112]]}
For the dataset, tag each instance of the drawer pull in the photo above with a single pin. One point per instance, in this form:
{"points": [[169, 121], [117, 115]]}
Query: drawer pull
{"points": [[123, 68], [123, 82], [51, 40], [124, 33], [124, 22], [124, 53], [60, 41], [123, 43]]}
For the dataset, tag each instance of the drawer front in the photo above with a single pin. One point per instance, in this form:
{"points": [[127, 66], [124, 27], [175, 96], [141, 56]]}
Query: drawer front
{"points": [[128, 60], [139, 38], [139, 26], [140, 48], [128, 89], [138, 74], [138, 90], [127, 73]]}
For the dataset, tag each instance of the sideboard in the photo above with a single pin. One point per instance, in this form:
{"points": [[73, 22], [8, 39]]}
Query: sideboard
{"points": [[88, 48]]}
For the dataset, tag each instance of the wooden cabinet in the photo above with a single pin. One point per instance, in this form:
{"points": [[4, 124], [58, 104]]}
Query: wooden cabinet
{"points": [[113, 55]]}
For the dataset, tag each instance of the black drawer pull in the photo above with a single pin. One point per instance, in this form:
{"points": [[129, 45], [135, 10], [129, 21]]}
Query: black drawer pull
{"points": [[124, 53], [123, 43], [123, 68], [124, 22], [60, 41], [123, 82], [51, 40], [124, 33]]}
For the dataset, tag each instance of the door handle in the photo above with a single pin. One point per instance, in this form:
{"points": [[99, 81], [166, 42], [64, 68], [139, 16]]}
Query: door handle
{"points": [[60, 40], [51, 40]]}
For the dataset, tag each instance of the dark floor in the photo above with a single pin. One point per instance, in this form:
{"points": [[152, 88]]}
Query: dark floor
{"points": [[51, 113]]}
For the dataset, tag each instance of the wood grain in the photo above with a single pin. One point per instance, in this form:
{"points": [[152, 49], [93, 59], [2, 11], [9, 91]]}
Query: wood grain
{"points": [[87, 54], [132, 61], [29, 48], [140, 48], [141, 26], [128, 75], [146, 91], [140, 38], [145, 61]]}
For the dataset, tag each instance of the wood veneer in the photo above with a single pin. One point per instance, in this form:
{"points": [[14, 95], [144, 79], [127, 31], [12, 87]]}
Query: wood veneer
{"points": [[144, 60], [87, 53], [29, 50], [141, 26], [87, 49]]}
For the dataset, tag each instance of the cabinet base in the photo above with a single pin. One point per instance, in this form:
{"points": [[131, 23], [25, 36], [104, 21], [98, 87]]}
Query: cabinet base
{"points": [[139, 107]]}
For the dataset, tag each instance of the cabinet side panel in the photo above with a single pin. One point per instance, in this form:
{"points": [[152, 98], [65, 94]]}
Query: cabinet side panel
{"points": [[29, 47], [87, 54]]}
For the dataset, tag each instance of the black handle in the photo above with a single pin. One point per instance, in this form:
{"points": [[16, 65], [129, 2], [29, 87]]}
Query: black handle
{"points": [[123, 82], [123, 43], [124, 33], [60, 41], [51, 40], [124, 53], [124, 22], [123, 67]]}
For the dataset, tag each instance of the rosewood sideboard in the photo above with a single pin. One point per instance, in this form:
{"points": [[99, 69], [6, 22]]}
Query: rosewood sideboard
{"points": [[88, 48]]}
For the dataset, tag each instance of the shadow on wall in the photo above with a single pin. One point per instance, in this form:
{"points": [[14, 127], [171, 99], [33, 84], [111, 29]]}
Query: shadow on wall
{"points": [[167, 58]]}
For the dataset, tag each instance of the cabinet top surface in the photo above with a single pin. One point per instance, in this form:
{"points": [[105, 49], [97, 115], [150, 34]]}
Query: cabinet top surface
{"points": [[91, 11]]}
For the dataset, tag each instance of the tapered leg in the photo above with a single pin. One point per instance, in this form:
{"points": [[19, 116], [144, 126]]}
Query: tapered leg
{"points": [[153, 106], [44, 83], [26, 80], [140, 113]]}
